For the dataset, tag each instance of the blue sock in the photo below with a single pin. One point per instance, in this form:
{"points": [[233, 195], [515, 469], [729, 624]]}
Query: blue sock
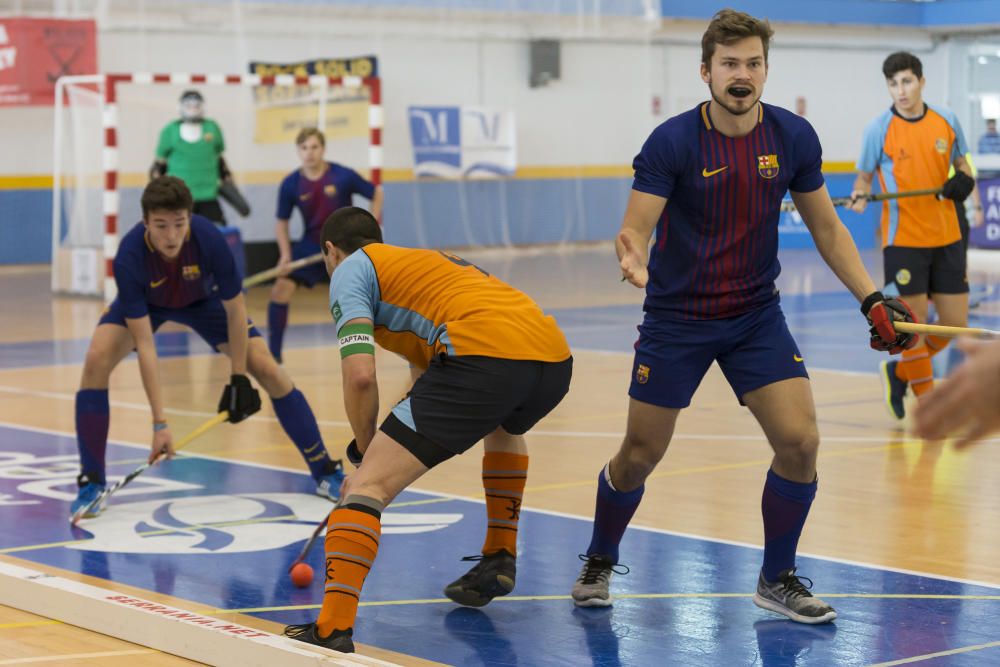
{"points": [[92, 419], [785, 505], [611, 516], [297, 418], [277, 321]]}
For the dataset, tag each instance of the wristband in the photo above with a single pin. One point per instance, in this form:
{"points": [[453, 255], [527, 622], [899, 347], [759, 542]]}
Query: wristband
{"points": [[159, 426], [870, 301]]}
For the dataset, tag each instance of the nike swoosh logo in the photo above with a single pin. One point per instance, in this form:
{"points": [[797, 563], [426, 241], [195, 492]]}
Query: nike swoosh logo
{"points": [[796, 357], [157, 283], [706, 173]]}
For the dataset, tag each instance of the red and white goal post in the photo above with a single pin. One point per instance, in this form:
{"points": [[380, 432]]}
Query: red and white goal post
{"points": [[105, 132]]}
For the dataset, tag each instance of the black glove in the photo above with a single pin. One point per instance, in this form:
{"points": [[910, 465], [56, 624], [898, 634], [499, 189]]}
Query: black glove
{"points": [[354, 454], [239, 398], [881, 313], [958, 187]]}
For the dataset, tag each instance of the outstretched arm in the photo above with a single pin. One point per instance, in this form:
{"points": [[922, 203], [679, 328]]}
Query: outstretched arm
{"points": [[632, 244], [357, 351]]}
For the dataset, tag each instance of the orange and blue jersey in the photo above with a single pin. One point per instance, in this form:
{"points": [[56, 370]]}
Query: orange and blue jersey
{"points": [[914, 154], [716, 249], [425, 303], [316, 200], [204, 268]]}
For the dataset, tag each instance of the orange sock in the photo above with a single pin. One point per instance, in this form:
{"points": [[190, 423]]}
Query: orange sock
{"points": [[935, 344], [351, 544], [916, 369], [504, 476]]}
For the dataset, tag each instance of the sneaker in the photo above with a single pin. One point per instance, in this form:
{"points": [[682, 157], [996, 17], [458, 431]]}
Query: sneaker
{"points": [[328, 485], [895, 389], [790, 597], [87, 492], [491, 577], [592, 587], [338, 640]]}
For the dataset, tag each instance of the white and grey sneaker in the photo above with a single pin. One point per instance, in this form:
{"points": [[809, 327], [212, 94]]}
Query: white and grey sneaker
{"points": [[790, 597], [592, 587]]}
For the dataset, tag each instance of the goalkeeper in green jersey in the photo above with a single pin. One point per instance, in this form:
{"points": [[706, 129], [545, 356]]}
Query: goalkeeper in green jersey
{"points": [[191, 148]]}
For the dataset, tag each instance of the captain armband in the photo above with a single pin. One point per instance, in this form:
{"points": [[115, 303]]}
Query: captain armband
{"points": [[356, 339]]}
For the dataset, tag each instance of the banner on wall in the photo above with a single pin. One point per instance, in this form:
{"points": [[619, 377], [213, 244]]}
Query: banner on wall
{"points": [[463, 142], [987, 235], [36, 52], [284, 110]]}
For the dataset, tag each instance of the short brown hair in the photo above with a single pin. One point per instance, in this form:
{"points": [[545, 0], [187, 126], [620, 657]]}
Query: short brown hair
{"points": [[350, 228], [166, 193], [730, 26], [307, 132], [900, 61]]}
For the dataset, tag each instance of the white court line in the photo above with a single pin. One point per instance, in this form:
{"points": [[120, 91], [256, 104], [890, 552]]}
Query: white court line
{"points": [[940, 654], [662, 531]]}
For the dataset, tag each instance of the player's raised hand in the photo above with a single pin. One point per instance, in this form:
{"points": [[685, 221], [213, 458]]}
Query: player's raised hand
{"points": [[239, 398], [633, 262], [967, 404], [881, 313]]}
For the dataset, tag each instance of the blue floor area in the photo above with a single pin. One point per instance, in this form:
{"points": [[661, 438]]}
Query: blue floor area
{"points": [[829, 329], [222, 534]]}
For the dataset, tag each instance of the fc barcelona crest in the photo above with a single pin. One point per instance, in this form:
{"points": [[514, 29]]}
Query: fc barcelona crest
{"points": [[191, 272], [330, 190], [642, 374], [767, 165]]}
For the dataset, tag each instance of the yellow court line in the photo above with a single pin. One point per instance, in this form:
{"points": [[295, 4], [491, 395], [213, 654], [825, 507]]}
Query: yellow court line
{"points": [[76, 656], [627, 596], [29, 624], [940, 654]]}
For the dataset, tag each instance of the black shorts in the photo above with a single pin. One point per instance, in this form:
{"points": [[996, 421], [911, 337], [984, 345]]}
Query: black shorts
{"points": [[938, 270], [460, 400], [211, 210]]}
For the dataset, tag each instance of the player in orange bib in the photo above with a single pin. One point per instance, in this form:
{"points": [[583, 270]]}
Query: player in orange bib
{"points": [[488, 365], [912, 147]]}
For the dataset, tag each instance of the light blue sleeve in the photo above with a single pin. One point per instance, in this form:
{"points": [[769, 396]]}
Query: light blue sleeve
{"points": [[871, 144], [354, 290], [961, 146]]}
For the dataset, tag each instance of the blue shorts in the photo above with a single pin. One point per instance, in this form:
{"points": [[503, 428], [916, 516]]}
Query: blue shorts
{"points": [[308, 275], [206, 317], [672, 356]]}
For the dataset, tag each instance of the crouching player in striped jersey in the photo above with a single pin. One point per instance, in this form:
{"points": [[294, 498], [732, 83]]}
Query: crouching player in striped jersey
{"points": [[710, 182], [493, 364], [175, 266]]}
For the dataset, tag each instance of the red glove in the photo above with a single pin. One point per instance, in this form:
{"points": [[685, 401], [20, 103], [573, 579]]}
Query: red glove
{"points": [[881, 313]]}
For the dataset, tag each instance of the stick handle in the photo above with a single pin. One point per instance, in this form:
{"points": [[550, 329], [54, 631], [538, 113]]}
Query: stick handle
{"points": [[312, 539], [270, 274], [943, 331], [789, 205], [183, 442]]}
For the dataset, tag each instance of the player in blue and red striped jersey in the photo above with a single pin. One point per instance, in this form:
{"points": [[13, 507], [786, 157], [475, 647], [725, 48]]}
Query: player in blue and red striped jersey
{"points": [[175, 266], [317, 189], [710, 183]]}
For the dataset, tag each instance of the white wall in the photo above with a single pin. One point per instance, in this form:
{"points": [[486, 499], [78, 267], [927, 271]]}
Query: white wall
{"points": [[599, 112]]}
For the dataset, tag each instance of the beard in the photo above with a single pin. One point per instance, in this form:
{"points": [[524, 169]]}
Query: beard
{"points": [[743, 93]]}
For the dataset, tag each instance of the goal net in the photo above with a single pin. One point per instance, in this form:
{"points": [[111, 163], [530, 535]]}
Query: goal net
{"points": [[106, 131]]}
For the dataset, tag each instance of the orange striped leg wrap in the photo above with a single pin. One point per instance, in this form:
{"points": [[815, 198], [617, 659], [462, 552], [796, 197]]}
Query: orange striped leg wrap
{"points": [[935, 344], [351, 545], [504, 476], [916, 369]]}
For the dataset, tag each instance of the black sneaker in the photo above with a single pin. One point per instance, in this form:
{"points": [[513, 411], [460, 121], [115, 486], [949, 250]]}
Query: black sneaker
{"points": [[491, 577], [895, 389], [339, 640]]}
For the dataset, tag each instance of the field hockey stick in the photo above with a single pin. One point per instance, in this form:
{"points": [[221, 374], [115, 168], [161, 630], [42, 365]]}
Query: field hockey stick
{"points": [[104, 495], [276, 272], [312, 539], [789, 205], [945, 332]]}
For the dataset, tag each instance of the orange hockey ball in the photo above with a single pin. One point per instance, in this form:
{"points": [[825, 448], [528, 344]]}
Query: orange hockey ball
{"points": [[302, 575]]}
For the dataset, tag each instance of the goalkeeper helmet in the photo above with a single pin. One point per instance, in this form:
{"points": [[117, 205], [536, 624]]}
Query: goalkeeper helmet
{"points": [[192, 106]]}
